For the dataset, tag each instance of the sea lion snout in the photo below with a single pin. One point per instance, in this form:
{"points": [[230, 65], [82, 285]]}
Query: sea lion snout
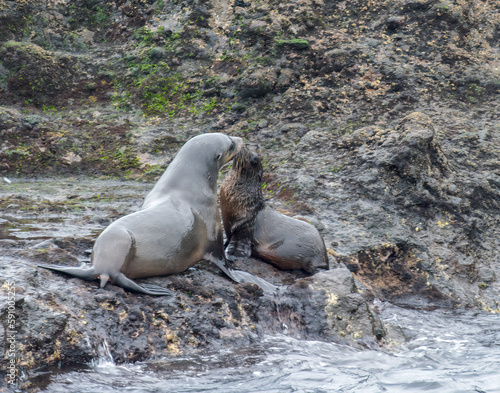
{"points": [[238, 141], [235, 148], [254, 159]]}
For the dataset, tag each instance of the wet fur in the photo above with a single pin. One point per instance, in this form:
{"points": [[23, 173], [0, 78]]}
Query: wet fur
{"points": [[241, 195], [252, 228]]}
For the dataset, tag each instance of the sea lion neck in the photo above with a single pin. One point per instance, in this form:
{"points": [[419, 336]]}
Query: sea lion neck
{"points": [[179, 178]]}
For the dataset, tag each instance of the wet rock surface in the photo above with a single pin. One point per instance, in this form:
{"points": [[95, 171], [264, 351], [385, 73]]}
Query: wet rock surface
{"points": [[64, 321], [376, 122]]}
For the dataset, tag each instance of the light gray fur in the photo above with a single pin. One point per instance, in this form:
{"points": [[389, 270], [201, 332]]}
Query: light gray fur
{"points": [[178, 225]]}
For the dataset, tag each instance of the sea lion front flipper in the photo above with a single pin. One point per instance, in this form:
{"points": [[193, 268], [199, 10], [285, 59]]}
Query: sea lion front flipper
{"points": [[238, 249], [240, 276], [237, 225], [221, 264], [244, 277], [149, 289]]}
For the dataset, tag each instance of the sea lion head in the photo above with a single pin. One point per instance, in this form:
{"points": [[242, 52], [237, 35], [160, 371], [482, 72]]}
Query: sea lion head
{"points": [[233, 145], [214, 149], [247, 165], [241, 191]]}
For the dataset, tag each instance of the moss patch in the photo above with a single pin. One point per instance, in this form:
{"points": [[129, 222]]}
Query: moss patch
{"points": [[296, 43]]}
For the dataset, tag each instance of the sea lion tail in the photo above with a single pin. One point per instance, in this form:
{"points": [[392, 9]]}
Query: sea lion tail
{"points": [[80, 272], [104, 279]]}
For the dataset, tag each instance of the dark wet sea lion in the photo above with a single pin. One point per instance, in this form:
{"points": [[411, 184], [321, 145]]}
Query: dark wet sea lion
{"points": [[252, 228], [178, 225]]}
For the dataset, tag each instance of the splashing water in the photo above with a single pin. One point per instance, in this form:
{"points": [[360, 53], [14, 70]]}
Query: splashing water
{"points": [[446, 352], [104, 358]]}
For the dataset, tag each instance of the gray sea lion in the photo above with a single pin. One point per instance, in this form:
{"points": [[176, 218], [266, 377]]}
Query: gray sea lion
{"points": [[177, 226], [252, 228]]}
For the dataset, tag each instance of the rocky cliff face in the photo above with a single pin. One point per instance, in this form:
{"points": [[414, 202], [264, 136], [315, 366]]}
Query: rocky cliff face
{"points": [[378, 121]]}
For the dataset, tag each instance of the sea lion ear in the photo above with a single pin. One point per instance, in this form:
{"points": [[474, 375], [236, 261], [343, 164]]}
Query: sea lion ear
{"points": [[219, 156]]}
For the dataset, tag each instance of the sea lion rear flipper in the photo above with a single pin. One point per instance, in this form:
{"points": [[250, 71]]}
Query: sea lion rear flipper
{"points": [[83, 273], [148, 289]]}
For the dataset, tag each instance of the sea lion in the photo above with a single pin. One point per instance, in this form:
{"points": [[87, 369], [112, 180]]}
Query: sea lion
{"points": [[253, 228], [177, 226]]}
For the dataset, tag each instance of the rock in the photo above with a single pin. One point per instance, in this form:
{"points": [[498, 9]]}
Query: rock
{"points": [[360, 137], [9, 118], [86, 37], [64, 320], [157, 53], [347, 313], [257, 82], [263, 123], [294, 130], [394, 23], [285, 78], [413, 150], [37, 73], [486, 274], [304, 183], [314, 140]]}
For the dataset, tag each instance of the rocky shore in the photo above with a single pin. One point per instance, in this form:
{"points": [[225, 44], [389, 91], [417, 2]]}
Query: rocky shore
{"points": [[378, 122]]}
